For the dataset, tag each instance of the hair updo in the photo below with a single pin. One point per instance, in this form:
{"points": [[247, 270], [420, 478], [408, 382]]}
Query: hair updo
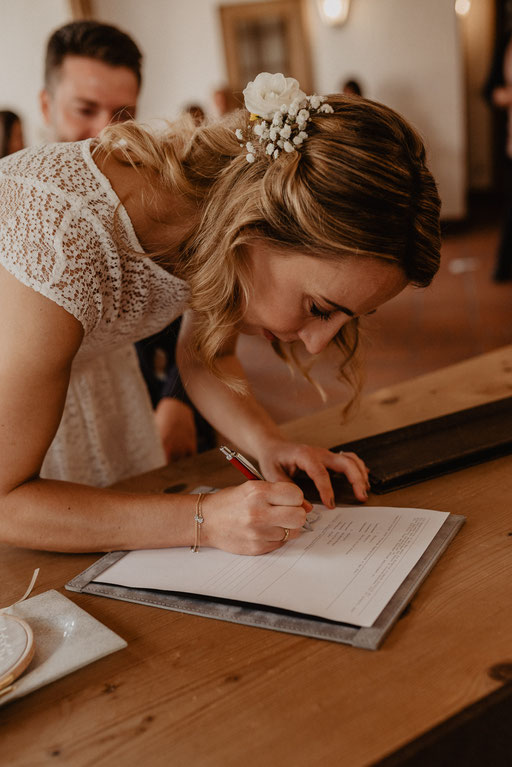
{"points": [[357, 187]]}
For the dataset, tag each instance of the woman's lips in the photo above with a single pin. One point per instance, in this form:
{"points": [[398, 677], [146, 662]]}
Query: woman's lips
{"points": [[269, 336]]}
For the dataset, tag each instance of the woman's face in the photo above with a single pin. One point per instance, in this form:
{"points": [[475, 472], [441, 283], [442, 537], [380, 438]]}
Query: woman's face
{"points": [[300, 298]]}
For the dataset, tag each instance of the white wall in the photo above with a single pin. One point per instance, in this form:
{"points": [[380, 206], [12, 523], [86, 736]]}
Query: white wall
{"points": [[478, 42], [406, 53], [25, 26]]}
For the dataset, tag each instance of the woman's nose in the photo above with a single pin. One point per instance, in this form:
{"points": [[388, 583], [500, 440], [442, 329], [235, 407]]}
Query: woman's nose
{"points": [[317, 334], [315, 337]]}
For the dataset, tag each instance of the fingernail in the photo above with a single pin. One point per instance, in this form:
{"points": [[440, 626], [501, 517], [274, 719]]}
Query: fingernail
{"points": [[331, 502]]}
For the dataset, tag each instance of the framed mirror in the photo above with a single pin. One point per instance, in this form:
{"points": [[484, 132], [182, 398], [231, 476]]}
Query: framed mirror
{"points": [[267, 36]]}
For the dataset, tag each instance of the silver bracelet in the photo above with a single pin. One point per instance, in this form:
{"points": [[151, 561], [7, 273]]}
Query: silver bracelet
{"points": [[198, 521]]}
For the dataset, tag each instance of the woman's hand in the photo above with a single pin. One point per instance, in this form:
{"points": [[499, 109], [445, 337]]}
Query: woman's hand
{"points": [[253, 518], [281, 459]]}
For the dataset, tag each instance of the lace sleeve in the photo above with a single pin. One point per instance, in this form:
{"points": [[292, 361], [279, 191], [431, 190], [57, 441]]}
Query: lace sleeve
{"points": [[51, 243]]}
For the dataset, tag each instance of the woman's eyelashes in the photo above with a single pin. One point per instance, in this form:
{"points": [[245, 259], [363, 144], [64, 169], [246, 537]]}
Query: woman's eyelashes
{"points": [[317, 311]]}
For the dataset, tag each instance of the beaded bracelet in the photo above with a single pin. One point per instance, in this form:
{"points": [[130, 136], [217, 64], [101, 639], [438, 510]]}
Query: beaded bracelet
{"points": [[198, 521]]}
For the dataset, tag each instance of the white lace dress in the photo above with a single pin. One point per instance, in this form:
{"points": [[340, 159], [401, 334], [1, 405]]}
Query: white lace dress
{"points": [[57, 236]]}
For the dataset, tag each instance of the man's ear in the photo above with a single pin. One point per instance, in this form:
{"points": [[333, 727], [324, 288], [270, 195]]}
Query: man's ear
{"points": [[44, 103]]}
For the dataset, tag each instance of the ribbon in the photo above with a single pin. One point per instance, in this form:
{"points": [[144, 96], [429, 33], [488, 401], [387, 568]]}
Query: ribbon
{"points": [[26, 594]]}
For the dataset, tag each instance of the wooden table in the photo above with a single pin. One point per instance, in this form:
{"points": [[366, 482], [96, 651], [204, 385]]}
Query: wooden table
{"points": [[194, 691]]}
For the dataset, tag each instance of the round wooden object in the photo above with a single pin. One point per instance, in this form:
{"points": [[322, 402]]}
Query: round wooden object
{"points": [[16, 648]]}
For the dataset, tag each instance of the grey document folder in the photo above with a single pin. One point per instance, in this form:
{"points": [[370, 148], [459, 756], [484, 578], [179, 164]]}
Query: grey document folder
{"points": [[277, 619]]}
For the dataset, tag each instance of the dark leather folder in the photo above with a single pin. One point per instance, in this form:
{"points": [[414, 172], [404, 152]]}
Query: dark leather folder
{"points": [[438, 446]]}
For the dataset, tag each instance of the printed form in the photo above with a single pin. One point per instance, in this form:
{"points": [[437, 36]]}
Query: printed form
{"points": [[346, 569]]}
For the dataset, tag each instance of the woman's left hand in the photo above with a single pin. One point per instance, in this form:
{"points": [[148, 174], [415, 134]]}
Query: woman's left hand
{"points": [[281, 459]]}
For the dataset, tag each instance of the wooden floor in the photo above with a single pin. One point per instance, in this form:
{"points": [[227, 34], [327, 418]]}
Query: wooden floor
{"points": [[461, 314]]}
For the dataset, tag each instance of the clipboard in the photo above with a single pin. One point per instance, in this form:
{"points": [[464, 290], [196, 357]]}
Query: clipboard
{"points": [[369, 638], [429, 449]]}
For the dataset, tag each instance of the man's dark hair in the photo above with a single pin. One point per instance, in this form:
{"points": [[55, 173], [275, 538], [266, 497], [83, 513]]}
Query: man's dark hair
{"points": [[94, 41]]}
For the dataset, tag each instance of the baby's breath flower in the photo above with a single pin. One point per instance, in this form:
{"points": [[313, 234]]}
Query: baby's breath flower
{"points": [[294, 108], [258, 128], [281, 112]]}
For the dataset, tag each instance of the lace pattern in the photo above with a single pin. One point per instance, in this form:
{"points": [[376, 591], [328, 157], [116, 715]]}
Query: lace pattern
{"points": [[57, 237]]}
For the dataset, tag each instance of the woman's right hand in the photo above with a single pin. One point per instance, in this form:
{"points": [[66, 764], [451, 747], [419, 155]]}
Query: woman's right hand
{"points": [[252, 518]]}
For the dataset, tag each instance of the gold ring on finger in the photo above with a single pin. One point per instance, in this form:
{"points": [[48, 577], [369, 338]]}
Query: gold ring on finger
{"points": [[286, 535]]}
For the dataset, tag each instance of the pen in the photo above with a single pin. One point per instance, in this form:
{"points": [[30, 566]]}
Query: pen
{"points": [[241, 463], [247, 469]]}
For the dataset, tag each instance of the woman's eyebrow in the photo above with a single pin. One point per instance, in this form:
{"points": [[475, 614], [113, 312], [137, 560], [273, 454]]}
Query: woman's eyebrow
{"points": [[343, 309]]}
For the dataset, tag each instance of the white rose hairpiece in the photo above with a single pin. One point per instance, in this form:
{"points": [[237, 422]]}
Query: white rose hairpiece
{"points": [[280, 113]]}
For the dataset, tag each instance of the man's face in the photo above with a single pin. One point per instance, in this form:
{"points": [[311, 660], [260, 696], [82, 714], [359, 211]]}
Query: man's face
{"points": [[85, 96]]}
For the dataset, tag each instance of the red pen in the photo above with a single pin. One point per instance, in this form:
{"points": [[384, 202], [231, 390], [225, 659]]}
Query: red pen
{"points": [[247, 469], [241, 463]]}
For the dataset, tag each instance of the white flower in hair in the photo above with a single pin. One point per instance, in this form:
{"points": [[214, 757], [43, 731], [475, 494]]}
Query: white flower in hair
{"points": [[268, 93], [280, 113]]}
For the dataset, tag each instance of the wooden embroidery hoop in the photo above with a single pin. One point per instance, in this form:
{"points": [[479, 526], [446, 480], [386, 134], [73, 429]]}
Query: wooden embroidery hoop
{"points": [[13, 662], [16, 643]]}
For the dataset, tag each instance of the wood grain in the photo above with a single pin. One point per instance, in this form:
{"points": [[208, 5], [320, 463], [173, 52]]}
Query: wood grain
{"points": [[193, 691]]}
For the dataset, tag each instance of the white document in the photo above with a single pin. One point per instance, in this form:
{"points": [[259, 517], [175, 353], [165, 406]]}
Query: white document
{"points": [[346, 570]]}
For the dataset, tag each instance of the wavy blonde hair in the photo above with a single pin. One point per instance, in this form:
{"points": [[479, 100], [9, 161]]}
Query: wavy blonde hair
{"points": [[357, 187]]}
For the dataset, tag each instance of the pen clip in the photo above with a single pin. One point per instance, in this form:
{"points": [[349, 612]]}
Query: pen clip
{"points": [[248, 465]]}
